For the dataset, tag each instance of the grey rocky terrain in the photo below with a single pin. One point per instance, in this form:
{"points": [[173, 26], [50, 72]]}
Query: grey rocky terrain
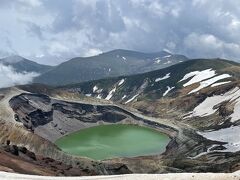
{"points": [[196, 114]]}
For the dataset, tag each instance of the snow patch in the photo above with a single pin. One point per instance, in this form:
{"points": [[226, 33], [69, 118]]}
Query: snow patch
{"points": [[208, 106], [167, 50], [121, 82], [99, 96], [220, 83], [110, 94], [168, 90], [95, 88], [130, 100], [168, 62], [168, 56], [157, 60], [229, 135], [208, 82], [88, 95], [198, 76], [124, 97], [162, 78], [99, 90]]}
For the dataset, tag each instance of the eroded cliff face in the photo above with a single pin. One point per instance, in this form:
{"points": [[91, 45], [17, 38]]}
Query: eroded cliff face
{"points": [[47, 119], [51, 118]]}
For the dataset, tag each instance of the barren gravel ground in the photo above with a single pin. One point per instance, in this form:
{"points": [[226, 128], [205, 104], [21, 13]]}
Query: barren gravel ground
{"points": [[6, 113], [182, 176]]}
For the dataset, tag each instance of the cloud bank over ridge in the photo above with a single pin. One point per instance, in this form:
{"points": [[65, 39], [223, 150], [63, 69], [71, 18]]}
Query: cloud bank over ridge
{"points": [[9, 77], [54, 31]]}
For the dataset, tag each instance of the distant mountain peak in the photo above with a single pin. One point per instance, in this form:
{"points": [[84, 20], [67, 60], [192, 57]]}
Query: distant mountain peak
{"points": [[13, 59], [164, 51], [21, 64], [114, 63]]}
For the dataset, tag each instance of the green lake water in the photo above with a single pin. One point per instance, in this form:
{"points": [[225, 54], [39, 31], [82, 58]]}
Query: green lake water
{"points": [[108, 141]]}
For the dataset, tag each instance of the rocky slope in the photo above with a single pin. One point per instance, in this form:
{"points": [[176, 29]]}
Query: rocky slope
{"points": [[161, 83]]}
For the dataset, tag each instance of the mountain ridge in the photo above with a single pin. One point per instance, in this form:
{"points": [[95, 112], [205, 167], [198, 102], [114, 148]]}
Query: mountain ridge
{"points": [[110, 64], [21, 64], [174, 72]]}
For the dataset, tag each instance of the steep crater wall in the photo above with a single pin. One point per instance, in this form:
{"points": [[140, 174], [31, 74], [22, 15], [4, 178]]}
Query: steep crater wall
{"points": [[46, 118], [52, 119]]}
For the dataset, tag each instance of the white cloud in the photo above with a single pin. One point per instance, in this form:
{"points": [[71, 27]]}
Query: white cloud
{"points": [[210, 46], [207, 42], [92, 52], [56, 49], [157, 8], [9, 77], [39, 55]]}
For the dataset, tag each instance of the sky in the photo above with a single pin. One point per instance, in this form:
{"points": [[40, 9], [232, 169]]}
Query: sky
{"points": [[53, 31]]}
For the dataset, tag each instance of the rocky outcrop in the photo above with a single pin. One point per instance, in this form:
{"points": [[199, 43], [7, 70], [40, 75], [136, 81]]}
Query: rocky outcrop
{"points": [[20, 159]]}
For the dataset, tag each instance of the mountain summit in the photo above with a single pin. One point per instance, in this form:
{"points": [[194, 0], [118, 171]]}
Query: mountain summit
{"points": [[110, 64], [21, 64]]}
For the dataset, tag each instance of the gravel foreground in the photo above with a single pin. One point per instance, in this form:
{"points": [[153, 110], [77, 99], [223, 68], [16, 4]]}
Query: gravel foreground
{"points": [[175, 176]]}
